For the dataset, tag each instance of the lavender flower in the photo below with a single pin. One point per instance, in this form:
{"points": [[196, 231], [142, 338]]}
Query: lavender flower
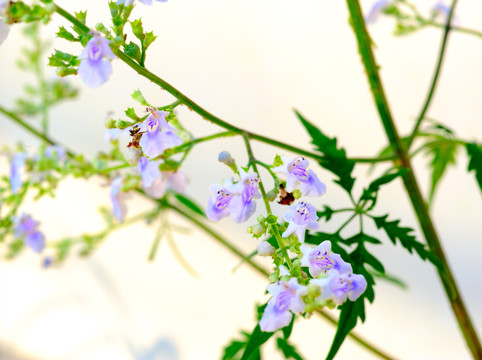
{"points": [[301, 216], [117, 197], [4, 28], [56, 151], [18, 162], [375, 10], [218, 205], [149, 171], [26, 229], [94, 68], [340, 286], [297, 174], [287, 296], [321, 259], [242, 205], [159, 135]]}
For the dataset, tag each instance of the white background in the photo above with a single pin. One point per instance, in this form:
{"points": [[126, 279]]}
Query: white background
{"points": [[249, 62]]}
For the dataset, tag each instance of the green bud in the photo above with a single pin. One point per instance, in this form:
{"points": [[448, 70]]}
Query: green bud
{"points": [[249, 230], [297, 263], [122, 124], [65, 71], [258, 229], [313, 290], [261, 219], [110, 124], [271, 219], [271, 195], [273, 277], [296, 194], [309, 308]]}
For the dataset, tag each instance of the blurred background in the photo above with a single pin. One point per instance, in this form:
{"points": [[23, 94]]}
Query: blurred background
{"points": [[249, 62]]}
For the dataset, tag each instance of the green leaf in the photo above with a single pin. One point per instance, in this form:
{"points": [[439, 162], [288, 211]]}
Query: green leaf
{"points": [[371, 193], [288, 350], [326, 213], [256, 339], [346, 322], [65, 34], [361, 238], [190, 204], [442, 151], [287, 330], [137, 95], [335, 159], [404, 236], [233, 349], [474, 152]]}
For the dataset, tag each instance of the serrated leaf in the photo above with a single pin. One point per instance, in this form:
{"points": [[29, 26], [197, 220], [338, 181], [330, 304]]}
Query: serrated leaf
{"points": [[288, 350], [442, 151], [371, 193], [232, 350], [335, 159], [137, 95], [65, 34], [361, 238], [474, 152], [256, 339], [190, 204], [405, 237], [326, 213]]}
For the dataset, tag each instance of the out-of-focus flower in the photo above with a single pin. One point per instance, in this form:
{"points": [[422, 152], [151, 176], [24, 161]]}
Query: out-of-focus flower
{"points": [[18, 162], [340, 286], [301, 216], [4, 27], [55, 150], [286, 299], [149, 171], [26, 229], [321, 259], [265, 248], [377, 7], [119, 206], [297, 174], [95, 68]]}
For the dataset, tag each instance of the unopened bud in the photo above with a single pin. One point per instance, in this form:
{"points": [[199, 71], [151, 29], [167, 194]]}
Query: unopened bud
{"points": [[110, 124], [271, 195], [258, 229], [122, 124], [133, 155], [226, 158], [249, 230], [265, 249], [261, 219], [65, 71], [296, 194]]}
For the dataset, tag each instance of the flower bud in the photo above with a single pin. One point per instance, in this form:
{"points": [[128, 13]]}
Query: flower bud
{"points": [[258, 229], [122, 124], [296, 193], [133, 155], [110, 124], [265, 249], [261, 219], [249, 230], [65, 71], [271, 195], [225, 157]]}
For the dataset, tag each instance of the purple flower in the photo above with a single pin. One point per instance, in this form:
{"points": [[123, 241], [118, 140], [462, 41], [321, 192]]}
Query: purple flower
{"points": [[218, 205], [340, 286], [56, 151], [321, 259], [159, 135], [26, 229], [94, 68], [286, 299], [375, 10], [242, 205], [149, 171], [18, 162], [4, 28], [297, 174], [301, 216], [119, 206]]}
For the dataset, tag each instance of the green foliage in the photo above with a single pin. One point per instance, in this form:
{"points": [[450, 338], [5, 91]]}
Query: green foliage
{"points": [[132, 50], [256, 340], [191, 204], [288, 350], [404, 236], [63, 33], [21, 12], [474, 152], [137, 95], [334, 159], [370, 194]]}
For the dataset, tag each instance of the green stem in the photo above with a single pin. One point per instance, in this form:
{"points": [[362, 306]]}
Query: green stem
{"points": [[456, 28], [345, 223], [410, 183], [435, 77], [189, 144], [193, 218], [279, 240]]}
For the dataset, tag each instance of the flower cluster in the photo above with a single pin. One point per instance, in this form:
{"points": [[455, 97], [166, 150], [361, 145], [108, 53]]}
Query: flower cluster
{"points": [[333, 282], [26, 230]]}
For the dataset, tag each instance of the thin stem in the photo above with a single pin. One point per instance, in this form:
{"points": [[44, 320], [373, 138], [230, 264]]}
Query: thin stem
{"points": [[435, 77], [193, 218], [189, 144], [157, 240], [409, 181], [456, 28], [252, 161], [345, 223]]}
